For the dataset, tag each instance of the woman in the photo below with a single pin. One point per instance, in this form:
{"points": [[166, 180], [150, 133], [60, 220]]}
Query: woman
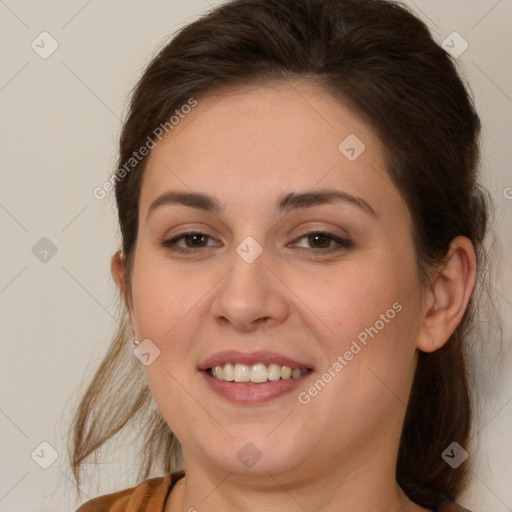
{"points": [[302, 232]]}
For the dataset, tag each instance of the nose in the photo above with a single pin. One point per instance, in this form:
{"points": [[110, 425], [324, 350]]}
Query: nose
{"points": [[250, 295]]}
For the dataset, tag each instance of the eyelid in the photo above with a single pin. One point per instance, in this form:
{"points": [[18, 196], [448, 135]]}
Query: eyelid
{"points": [[167, 243], [342, 243]]}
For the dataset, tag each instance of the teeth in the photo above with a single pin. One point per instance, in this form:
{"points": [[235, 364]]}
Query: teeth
{"points": [[242, 373], [274, 372], [257, 373], [286, 372], [228, 372], [296, 373]]}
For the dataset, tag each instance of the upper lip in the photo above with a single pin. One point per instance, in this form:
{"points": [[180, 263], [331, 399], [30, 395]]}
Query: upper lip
{"points": [[250, 358]]}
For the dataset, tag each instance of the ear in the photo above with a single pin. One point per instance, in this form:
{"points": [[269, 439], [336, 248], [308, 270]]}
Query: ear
{"points": [[117, 268], [448, 295]]}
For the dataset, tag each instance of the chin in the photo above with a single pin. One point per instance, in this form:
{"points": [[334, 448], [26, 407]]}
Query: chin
{"points": [[255, 452]]}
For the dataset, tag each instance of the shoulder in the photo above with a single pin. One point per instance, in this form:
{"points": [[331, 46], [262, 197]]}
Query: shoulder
{"points": [[148, 496]]}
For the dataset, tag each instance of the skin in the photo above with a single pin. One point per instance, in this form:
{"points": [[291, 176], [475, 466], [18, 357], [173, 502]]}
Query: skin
{"points": [[247, 147]]}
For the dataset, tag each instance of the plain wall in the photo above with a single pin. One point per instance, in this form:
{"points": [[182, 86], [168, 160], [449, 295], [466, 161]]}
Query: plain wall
{"points": [[60, 125]]}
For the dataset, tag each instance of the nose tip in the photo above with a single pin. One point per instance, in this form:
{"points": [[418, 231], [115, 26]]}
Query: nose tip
{"points": [[243, 323]]}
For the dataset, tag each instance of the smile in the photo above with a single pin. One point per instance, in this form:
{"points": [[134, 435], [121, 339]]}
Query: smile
{"points": [[257, 373]]}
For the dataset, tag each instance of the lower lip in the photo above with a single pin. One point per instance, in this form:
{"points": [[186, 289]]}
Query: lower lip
{"points": [[248, 394]]}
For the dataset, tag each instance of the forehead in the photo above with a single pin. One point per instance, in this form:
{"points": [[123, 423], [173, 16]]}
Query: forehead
{"points": [[258, 142]]}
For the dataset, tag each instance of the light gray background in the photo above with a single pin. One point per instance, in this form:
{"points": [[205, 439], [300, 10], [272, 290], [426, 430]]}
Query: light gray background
{"points": [[60, 125]]}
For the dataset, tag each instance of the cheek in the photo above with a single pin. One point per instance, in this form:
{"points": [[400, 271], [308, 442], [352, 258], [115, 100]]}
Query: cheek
{"points": [[372, 314], [370, 352], [163, 297], [163, 303], [360, 299]]}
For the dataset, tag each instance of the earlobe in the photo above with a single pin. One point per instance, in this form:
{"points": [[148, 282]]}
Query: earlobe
{"points": [[450, 290]]}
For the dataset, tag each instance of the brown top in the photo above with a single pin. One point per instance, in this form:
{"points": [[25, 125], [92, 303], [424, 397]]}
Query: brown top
{"points": [[151, 495], [148, 496]]}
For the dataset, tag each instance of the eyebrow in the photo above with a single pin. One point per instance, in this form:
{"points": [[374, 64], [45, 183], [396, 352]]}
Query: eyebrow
{"points": [[290, 201]]}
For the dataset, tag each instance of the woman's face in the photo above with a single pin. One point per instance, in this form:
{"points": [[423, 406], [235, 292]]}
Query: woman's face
{"points": [[260, 283]]}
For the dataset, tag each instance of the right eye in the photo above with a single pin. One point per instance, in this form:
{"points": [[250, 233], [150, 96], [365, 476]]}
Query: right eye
{"points": [[195, 237]]}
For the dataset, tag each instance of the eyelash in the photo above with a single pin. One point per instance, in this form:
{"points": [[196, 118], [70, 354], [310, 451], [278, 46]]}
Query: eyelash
{"points": [[342, 243]]}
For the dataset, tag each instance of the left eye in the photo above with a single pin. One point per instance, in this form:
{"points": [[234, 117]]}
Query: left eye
{"points": [[323, 239], [320, 240]]}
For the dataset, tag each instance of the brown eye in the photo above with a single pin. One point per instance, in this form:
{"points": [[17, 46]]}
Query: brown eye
{"points": [[193, 241], [318, 241], [196, 239], [321, 241]]}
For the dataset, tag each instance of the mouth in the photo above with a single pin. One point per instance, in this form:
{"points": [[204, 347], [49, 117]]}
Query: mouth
{"points": [[258, 373], [253, 378]]}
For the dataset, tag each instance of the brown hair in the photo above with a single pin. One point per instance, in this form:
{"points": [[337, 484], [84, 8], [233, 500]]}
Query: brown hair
{"points": [[378, 58]]}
